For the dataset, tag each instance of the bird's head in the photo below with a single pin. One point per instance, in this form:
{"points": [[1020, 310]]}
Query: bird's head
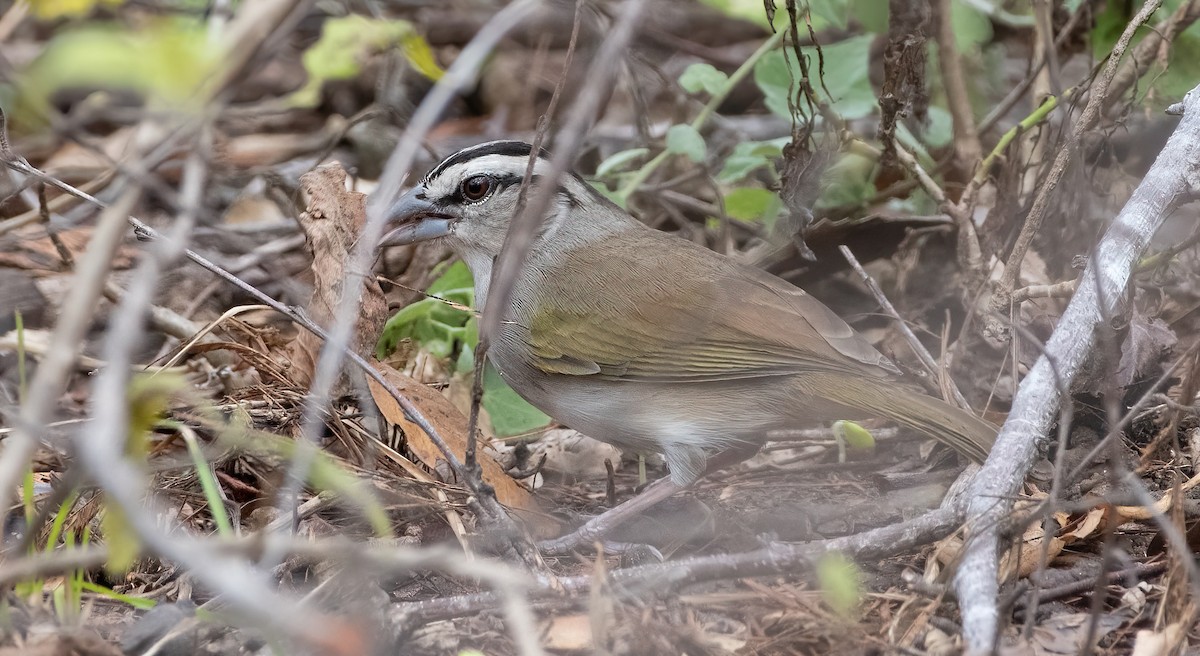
{"points": [[470, 197]]}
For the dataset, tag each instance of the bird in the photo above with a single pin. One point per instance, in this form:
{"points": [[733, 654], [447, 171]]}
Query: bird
{"points": [[651, 342]]}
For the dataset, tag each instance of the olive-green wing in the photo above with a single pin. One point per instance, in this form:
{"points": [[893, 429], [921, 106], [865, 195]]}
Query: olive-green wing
{"points": [[659, 308]]}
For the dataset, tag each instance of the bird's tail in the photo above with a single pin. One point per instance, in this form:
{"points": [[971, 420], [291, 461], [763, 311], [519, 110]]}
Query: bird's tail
{"points": [[956, 428]]}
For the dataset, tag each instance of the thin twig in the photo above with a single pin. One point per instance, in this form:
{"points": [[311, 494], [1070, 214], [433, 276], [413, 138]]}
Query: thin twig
{"points": [[649, 581], [519, 239], [966, 137], [915, 344], [543, 124], [1149, 47], [1087, 120]]}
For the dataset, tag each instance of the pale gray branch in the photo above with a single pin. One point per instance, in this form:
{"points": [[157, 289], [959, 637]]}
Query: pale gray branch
{"points": [[1173, 179]]}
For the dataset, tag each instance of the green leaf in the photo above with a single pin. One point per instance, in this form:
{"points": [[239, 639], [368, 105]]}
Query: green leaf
{"points": [[434, 324], [750, 156], [685, 140], [444, 330], [510, 414], [346, 41], [748, 10], [1182, 68], [775, 81], [854, 435], [752, 204], [871, 14], [619, 161], [141, 603], [420, 55], [841, 583], [972, 28], [832, 13], [704, 77], [454, 278], [939, 132], [847, 65]]}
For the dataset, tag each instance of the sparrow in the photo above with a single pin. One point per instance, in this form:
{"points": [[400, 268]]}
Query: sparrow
{"points": [[648, 341]]}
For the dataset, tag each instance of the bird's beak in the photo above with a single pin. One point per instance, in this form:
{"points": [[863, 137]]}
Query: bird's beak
{"points": [[413, 218]]}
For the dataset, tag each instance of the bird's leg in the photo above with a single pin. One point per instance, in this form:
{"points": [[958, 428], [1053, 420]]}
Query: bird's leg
{"points": [[658, 491], [604, 523]]}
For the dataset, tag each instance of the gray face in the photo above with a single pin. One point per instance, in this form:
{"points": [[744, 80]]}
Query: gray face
{"points": [[470, 197]]}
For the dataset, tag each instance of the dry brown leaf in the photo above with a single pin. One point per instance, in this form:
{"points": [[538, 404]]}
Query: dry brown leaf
{"points": [[1086, 525], [331, 223], [38, 254], [258, 149], [451, 425], [79, 161], [1024, 560]]}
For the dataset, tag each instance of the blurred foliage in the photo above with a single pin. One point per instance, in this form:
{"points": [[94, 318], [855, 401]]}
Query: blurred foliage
{"points": [[846, 85], [120, 537], [148, 397], [445, 326], [164, 60], [346, 41], [1183, 64], [841, 583], [51, 9], [686, 140]]}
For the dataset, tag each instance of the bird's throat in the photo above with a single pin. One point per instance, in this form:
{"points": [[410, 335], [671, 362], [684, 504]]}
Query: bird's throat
{"points": [[480, 265]]}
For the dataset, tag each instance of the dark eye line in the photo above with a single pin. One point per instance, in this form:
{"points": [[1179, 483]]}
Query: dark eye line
{"points": [[500, 182]]}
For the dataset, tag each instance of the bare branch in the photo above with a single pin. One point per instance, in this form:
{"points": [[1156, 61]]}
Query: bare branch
{"points": [[77, 313], [1087, 120], [1173, 179], [649, 581]]}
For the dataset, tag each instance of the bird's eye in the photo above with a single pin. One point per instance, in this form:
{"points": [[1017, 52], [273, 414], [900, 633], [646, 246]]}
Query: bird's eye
{"points": [[476, 187]]}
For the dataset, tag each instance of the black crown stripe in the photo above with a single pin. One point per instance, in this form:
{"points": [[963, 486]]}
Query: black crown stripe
{"points": [[508, 148]]}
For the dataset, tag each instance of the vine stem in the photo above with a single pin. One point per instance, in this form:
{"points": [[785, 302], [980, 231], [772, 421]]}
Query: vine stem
{"points": [[706, 113]]}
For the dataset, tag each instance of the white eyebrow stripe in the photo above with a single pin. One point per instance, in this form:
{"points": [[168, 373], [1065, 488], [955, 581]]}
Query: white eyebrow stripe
{"points": [[502, 147], [498, 165]]}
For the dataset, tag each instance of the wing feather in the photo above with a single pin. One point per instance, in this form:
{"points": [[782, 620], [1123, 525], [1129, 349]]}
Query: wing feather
{"points": [[637, 315]]}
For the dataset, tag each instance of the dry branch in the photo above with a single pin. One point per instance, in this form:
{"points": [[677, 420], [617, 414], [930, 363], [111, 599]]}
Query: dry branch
{"points": [[1087, 120], [657, 580], [1172, 180]]}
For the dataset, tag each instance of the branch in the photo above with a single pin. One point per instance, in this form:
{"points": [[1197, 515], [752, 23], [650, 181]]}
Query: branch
{"points": [[649, 581], [1087, 120], [1172, 180], [966, 139]]}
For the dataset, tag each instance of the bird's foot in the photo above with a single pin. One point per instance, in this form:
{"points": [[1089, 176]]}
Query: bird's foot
{"points": [[581, 541], [596, 528]]}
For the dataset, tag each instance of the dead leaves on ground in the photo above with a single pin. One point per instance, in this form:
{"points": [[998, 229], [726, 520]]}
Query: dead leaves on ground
{"points": [[1035, 551], [451, 425], [332, 223]]}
